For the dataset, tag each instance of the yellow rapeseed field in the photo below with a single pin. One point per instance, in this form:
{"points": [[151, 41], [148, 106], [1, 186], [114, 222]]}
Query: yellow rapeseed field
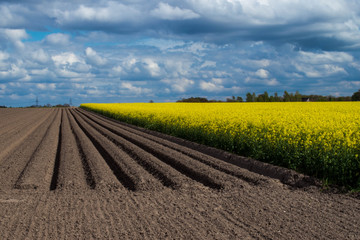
{"points": [[317, 138]]}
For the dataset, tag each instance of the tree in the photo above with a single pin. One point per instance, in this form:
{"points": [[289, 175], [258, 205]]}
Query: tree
{"points": [[356, 96], [266, 97], [287, 97], [254, 97], [298, 96], [276, 97], [260, 98], [249, 97], [239, 99]]}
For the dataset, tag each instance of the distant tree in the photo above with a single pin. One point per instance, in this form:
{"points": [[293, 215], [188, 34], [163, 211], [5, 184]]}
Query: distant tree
{"points": [[260, 98], [298, 96], [151, 101], [276, 97], [287, 97], [249, 97], [239, 99], [194, 99], [356, 96], [266, 97], [254, 97]]}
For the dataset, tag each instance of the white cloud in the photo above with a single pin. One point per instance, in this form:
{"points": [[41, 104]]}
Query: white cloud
{"points": [[40, 72], [208, 64], [179, 85], [58, 39], [272, 82], [152, 67], [210, 86], [94, 58], [66, 58], [262, 81], [112, 12], [167, 12], [257, 63], [40, 56], [324, 57], [130, 89], [262, 73], [14, 72], [176, 68], [3, 56], [318, 71], [15, 36], [46, 86], [116, 71], [14, 96]]}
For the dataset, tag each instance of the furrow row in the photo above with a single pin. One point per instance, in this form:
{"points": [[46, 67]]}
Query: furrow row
{"points": [[180, 162], [19, 157], [126, 170], [220, 165], [74, 150], [15, 136]]}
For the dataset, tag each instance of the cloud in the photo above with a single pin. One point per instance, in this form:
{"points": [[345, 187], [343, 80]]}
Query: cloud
{"points": [[129, 89], [40, 56], [93, 57], [99, 16], [3, 56], [210, 86], [167, 12], [262, 81], [179, 85], [322, 64], [46, 86], [58, 39], [262, 73], [66, 58], [152, 67], [15, 36], [14, 72]]}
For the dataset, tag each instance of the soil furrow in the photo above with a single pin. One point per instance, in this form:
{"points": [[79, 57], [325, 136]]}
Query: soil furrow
{"points": [[16, 137], [55, 173], [206, 159], [193, 169], [286, 176], [12, 121], [168, 176], [34, 175], [71, 174], [13, 165], [102, 174], [133, 177]]}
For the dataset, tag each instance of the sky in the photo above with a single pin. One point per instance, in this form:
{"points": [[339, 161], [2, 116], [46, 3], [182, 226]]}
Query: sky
{"points": [[142, 50]]}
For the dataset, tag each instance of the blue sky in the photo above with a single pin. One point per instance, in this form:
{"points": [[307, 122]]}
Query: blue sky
{"points": [[141, 50]]}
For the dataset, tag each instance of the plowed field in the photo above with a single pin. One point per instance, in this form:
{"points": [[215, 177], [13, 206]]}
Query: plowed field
{"points": [[72, 174]]}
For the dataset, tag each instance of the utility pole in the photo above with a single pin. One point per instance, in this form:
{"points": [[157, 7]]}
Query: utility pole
{"points": [[70, 102], [37, 102]]}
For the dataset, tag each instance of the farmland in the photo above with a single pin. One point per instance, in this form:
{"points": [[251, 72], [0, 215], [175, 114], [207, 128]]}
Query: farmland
{"points": [[319, 139], [73, 174]]}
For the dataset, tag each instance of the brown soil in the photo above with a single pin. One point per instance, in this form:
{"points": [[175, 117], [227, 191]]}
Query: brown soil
{"points": [[72, 174]]}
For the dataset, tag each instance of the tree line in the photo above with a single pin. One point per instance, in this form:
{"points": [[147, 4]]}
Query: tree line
{"points": [[286, 97]]}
